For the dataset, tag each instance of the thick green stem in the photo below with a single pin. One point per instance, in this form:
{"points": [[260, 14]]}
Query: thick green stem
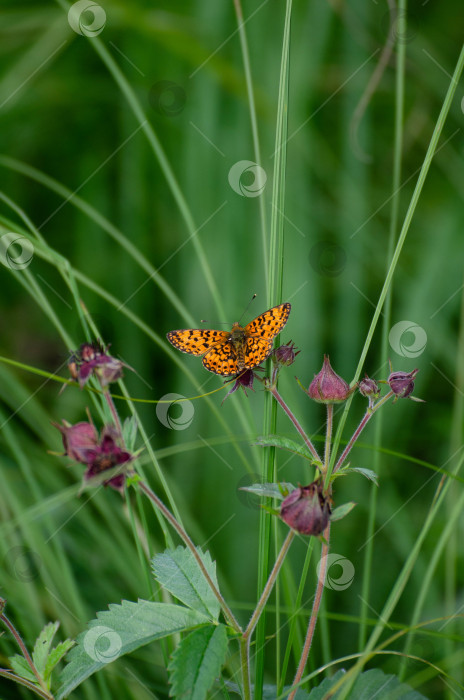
{"points": [[245, 668]]}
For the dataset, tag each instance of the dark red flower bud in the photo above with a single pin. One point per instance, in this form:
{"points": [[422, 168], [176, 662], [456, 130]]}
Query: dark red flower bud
{"points": [[327, 386], [79, 440], [92, 358], [244, 380], [285, 354], [402, 383], [306, 509], [368, 387]]}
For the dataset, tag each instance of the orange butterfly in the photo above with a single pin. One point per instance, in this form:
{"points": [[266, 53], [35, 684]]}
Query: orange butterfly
{"points": [[227, 353]]}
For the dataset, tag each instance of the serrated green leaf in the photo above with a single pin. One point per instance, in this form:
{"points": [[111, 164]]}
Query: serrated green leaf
{"points": [[284, 444], [56, 655], [20, 666], [178, 572], [368, 473], [197, 661], [270, 490], [341, 511], [370, 684], [118, 631], [42, 646]]}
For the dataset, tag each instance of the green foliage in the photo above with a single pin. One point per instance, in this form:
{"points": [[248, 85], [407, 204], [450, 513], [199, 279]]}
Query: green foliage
{"points": [[368, 473], [373, 683], [279, 491], [119, 631], [178, 572], [197, 662], [44, 657], [340, 512], [285, 443]]}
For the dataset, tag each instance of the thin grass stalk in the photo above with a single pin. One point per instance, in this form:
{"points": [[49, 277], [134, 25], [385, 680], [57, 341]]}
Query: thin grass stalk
{"points": [[393, 232], [274, 295]]}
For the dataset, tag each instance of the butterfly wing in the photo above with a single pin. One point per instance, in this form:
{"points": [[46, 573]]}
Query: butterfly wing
{"points": [[196, 341], [221, 359], [270, 323], [256, 351]]}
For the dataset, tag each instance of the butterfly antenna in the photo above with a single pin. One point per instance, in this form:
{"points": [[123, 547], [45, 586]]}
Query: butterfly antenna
{"points": [[248, 306]]}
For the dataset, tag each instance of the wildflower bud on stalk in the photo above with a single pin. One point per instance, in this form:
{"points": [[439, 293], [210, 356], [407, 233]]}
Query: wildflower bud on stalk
{"points": [[327, 386], [285, 354], [369, 388], [244, 380], [306, 509], [92, 358], [402, 383]]}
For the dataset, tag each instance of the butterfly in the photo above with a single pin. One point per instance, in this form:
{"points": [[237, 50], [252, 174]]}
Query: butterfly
{"points": [[230, 352]]}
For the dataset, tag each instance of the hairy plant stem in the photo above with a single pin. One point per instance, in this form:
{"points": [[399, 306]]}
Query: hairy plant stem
{"points": [[366, 418], [289, 413], [314, 613], [328, 437], [24, 652], [245, 668], [5, 673], [188, 542], [114, 413]]}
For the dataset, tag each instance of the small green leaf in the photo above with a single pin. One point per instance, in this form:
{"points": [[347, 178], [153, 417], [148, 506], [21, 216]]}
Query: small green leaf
{"points": [[129, 432], [55, 657], [279, 491], [133, 480], [177, 571], [341, 511], [284, 444], [368, 473], [370, 684], [197, 661], [20, 666], [42, 646], [120, 630]]}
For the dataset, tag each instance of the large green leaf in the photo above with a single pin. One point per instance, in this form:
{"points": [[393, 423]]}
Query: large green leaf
{"points": [[119, 630], [283, 443], [370, 684], [197, 661], [279, 491], [178, 571]]}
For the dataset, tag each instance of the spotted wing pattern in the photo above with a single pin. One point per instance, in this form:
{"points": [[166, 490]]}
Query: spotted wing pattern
{"points": [[256, 351], [197, 341], [270, 323], [221, 360]]}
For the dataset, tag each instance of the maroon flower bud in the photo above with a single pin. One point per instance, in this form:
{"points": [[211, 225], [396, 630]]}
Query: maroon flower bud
{"points": [[244, 380], [92, 358], [79, 440], [402, 383], [306, 509], [285, 354], [327, 386], [368, 387], [81, 443]]}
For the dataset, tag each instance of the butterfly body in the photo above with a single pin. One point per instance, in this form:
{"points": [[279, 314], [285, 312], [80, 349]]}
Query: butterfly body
{"points": [[230, 352]]}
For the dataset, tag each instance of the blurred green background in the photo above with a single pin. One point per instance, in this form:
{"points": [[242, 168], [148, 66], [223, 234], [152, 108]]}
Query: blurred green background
{"points": [[64, 114]]}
